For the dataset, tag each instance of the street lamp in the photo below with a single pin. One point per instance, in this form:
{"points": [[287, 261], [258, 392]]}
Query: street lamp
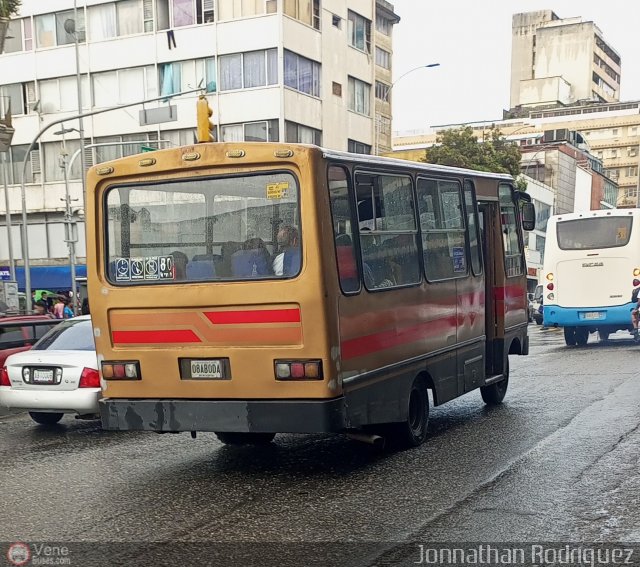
{"points": [[388, 91], [70, 227]]}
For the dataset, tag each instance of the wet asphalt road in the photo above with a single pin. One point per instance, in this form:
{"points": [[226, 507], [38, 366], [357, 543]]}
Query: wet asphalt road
{"points": [[559, 460]]}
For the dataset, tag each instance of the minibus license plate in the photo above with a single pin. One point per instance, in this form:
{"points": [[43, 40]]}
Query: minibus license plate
{"points": [[206, 369], [592, 315]]}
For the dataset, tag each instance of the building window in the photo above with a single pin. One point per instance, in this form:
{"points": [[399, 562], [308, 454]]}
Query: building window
{"points": [[248, 70], [20, 97], [128, 17], [359, 96], [61, 95], [383, 25], [121, 146], [184, 75], [19, 37], [15, 157], [124, 86], [299, 134], [383, 58], [382, 90], [307, 11], [356, 147], [53, 160], [632, 171], [263, 131], [50, 29], [301, 74], [359, 32], [232, 9]]}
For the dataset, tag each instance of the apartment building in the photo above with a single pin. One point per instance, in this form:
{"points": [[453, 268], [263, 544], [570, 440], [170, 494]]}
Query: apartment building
{"points": [[274, 70], [557, 61]]}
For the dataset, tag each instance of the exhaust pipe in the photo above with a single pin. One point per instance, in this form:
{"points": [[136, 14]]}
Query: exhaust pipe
{"points": [[375, 440]]}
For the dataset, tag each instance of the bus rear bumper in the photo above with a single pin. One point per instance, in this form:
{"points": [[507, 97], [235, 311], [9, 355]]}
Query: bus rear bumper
{"points": [[260, 416], [618, 316]]}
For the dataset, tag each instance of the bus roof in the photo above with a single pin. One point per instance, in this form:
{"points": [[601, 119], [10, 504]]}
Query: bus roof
{"points": [[382, 160], [598, 213]]}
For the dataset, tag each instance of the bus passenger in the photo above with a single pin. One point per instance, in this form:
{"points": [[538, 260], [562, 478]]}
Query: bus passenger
{"points": [[287, 261]]}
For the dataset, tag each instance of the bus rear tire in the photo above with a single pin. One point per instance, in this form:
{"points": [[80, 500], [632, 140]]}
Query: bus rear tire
{"points": [[413, 431], [570, 336], [493, 394], [582, 336], [234, 438]]}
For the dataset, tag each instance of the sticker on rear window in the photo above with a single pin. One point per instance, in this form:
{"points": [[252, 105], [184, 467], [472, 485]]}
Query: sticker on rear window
{"points": [[277, 190], [145, 269]]}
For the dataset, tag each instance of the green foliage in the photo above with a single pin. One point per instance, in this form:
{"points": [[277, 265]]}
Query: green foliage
{"points": [[460, 147], [9, 8]]}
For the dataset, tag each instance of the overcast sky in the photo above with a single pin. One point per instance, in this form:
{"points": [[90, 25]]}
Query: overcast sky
{"points": [[471, 39]]}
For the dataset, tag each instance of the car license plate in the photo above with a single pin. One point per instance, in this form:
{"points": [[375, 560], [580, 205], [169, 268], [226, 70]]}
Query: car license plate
{"points": [[592, 315], [212, 369], [40, 376]]}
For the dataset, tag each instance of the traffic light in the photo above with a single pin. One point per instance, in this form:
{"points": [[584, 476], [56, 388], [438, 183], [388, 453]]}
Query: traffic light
{"points": [[206, 129]]}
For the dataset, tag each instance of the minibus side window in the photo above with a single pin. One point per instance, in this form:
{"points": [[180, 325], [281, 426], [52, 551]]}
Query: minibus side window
{"points": [[341, 214], [474, 228]]}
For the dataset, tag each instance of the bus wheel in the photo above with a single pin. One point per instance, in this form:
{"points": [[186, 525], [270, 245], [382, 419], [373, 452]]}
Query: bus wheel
{"points": [[570, 336], [44, 418], [413, 432], [233, 438], [582, 336], [493, 394]]}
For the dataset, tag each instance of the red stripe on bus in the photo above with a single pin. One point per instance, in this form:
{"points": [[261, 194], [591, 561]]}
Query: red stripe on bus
{"points": [[256, 316], [155, 337], [383, 340]]}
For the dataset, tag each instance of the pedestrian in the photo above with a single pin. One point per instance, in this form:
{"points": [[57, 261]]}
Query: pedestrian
{"points": [[635, 299], [58, 309], [67, 311]]}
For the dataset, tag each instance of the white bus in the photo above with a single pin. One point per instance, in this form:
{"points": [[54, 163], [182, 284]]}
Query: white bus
{"points": [[591, 265]]}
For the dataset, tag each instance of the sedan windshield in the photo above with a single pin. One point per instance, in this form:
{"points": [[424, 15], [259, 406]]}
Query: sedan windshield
{"points": [[70, 335]]}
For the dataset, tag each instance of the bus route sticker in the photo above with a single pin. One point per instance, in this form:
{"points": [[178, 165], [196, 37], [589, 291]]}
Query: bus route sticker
{"points": [[137, 269], [165, 267], [151, 268], [277, 190], [459, 264], [123, 270]]}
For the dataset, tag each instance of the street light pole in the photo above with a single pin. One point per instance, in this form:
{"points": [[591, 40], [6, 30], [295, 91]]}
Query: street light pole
{"points": [[79, 87], [70, 237], [386, 98]]}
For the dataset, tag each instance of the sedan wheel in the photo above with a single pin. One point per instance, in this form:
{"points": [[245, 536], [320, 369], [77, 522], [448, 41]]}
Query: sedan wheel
{"points": [[44, 418]]}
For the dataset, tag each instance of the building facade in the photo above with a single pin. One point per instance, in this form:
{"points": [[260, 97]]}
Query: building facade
{"points": [[558, 61], [273, 70]]}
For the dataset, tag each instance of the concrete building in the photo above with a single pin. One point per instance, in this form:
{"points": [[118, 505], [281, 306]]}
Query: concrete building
{"points": [[290, 70], [558, 61]]}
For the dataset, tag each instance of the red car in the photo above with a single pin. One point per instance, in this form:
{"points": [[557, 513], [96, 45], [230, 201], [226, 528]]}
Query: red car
{"points": [[21, 332]]}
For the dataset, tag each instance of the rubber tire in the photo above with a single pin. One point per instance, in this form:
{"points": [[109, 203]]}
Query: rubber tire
{"points": [[582, 336], [413, 431], [493, 394], [570, 336], [44, 418], [234, 438]]}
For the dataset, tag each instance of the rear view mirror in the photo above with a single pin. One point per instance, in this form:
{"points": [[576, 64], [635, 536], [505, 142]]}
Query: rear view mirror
{"points": [[528, 216]]}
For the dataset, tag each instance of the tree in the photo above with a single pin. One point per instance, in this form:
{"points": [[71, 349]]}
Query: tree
{"points": [[460, 147], [9, 8]]}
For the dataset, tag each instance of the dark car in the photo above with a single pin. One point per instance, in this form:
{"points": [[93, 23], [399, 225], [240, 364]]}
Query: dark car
{"points": [[20, 332]]}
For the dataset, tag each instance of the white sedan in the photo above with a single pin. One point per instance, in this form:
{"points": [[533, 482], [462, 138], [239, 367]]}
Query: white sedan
{"points": [[58, 375]]}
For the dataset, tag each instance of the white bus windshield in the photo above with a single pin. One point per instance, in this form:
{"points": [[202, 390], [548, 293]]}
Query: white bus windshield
{"points": [[594, 233]]}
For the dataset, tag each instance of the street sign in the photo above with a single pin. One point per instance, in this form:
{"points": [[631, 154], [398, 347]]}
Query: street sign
{"points": [[167, 113]]}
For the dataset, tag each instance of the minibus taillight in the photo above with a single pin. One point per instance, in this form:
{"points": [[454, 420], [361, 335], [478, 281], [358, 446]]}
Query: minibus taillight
{"points": [[121, 370], [89, 378], [550, 277], [636, 283], [4, 377], [550, 286], [298, 369]]}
